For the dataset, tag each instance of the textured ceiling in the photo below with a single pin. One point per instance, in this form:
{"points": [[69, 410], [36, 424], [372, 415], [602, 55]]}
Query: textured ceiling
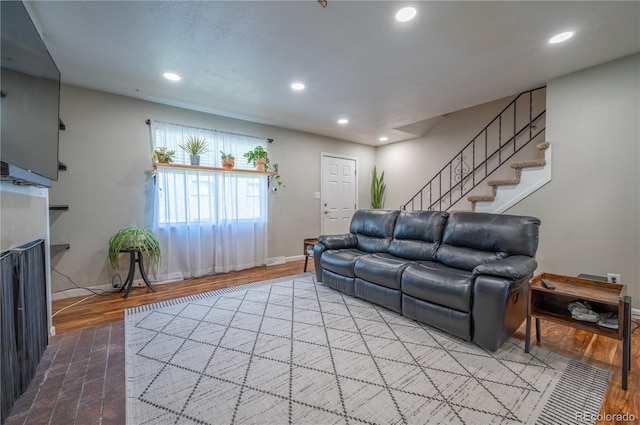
{"points": [[238, 58]]}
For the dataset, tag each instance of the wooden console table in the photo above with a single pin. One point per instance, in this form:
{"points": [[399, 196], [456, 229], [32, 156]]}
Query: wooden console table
{"points": [[551, 305], [308, 243]]}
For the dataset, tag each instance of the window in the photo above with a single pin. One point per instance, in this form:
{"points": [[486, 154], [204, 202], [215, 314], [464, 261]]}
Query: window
{"points": [[208, 221]]}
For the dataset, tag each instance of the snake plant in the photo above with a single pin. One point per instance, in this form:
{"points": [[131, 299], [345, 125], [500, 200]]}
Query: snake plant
{"points": [[377, 189]]}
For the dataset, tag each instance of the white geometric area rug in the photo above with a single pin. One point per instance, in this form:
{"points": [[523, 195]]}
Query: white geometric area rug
{"points": [[290, 351]]}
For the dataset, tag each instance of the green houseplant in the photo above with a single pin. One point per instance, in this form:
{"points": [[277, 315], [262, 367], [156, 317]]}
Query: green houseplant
{"points": [[378, 187], [228, 160], [163, 155], [134, 237], [195, 146], [259, 158]]}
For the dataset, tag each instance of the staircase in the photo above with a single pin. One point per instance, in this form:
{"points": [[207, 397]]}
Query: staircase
{"points": [[516, 132], [529, 176]]}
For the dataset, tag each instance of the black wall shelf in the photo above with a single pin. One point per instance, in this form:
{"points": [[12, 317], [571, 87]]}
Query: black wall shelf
{"points": [[60, 246]]}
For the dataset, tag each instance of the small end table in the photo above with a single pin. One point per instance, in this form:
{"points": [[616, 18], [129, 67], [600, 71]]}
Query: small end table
{"points": [[551, 305], [308, 243], [135, 256]]}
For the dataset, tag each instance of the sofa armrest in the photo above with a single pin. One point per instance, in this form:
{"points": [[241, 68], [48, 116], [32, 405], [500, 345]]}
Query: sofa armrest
{"points": [[348, 240], [514, 267]]}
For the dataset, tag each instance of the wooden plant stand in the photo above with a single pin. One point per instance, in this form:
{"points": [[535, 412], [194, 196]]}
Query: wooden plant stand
{"points": [[551, 305]]}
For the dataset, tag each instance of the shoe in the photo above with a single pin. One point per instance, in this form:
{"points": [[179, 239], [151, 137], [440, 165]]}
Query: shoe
{"points": [[582, 311], [608, 320]]}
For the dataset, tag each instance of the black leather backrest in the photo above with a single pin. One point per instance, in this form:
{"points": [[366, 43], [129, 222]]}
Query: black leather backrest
{"points": [[471, 239], [374, 229], [418, 234]]}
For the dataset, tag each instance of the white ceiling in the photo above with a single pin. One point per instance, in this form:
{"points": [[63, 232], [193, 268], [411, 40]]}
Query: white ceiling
{"points": [[238, 58]]}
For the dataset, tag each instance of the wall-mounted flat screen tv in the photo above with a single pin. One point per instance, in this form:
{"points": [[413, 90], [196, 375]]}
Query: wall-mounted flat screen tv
{"points": [[30, 96]]}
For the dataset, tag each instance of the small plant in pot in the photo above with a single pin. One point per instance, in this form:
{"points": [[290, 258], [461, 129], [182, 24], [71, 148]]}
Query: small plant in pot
{"points": [[195, 146], [228, 160], [133, 237], [259, 158], [163, 155]]}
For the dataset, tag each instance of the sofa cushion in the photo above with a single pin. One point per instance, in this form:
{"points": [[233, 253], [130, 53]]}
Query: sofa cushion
{"points": [[439, 284], [457, 323], [382, 269], [510, 234], [341, 261], [373, 229], [386, 297], [417, 234], [471, 239], [466, 258]]}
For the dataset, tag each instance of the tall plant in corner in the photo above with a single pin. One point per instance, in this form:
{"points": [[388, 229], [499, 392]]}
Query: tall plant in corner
{"points": [[378, 187]]}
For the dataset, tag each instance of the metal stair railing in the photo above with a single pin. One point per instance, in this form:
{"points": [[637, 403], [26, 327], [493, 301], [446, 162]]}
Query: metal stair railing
{"points": [[451, 182]]}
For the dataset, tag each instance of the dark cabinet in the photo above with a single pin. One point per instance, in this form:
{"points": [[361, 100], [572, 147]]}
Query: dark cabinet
{"points": [[24, 335]]}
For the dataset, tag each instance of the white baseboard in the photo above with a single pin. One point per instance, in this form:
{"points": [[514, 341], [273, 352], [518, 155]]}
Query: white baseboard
{"points": [[80, 292], [635, 312], [276, 261]]}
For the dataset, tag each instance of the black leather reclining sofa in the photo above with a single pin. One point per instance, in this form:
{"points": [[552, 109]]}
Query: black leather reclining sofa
{"points": [[464, 273]]}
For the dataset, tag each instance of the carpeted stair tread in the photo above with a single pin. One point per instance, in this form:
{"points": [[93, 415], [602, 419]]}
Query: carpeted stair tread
{"points": [[505, 182], [481, 198], [529, 163], [542, 146]]}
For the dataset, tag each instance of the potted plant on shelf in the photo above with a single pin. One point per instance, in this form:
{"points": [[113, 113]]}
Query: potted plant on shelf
{"points": [[378, 187], [163, 155], [195, 146], [134, 237], [228, 160], [259, 157]]}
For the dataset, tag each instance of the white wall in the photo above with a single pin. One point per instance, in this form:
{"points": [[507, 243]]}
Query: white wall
{"points": [[590, 211], [107, 186]]}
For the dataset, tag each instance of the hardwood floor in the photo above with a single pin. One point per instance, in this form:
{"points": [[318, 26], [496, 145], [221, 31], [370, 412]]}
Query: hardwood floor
{"points": [[596, 350], [110, 307]]}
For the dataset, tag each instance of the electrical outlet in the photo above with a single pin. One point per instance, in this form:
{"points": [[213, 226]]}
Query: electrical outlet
{"points": [[613, 277]]}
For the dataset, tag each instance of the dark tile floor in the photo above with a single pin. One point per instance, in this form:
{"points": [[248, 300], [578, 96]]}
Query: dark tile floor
{"points": [[80, 380]]}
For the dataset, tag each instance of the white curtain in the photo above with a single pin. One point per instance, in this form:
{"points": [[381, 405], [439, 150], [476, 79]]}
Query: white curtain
{"points": [[208, 221]]}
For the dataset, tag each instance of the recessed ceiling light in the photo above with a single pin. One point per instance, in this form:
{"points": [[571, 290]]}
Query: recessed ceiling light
{"points": [[406, 14], [171, 76], [297, 86], [383, 139], [343, 121], [564, 36]]}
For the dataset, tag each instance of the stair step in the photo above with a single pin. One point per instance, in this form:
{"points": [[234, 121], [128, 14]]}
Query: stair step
{"points": [[481, 198], [542, 146], [504, 182], [530, 163]]}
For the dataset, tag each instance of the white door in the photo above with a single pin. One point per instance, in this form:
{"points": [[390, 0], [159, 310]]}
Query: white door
{"points": [[339, 194]]}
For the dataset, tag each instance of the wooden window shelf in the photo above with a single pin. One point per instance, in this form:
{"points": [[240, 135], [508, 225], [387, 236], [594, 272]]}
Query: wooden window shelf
{"points": [[214, 169]]}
